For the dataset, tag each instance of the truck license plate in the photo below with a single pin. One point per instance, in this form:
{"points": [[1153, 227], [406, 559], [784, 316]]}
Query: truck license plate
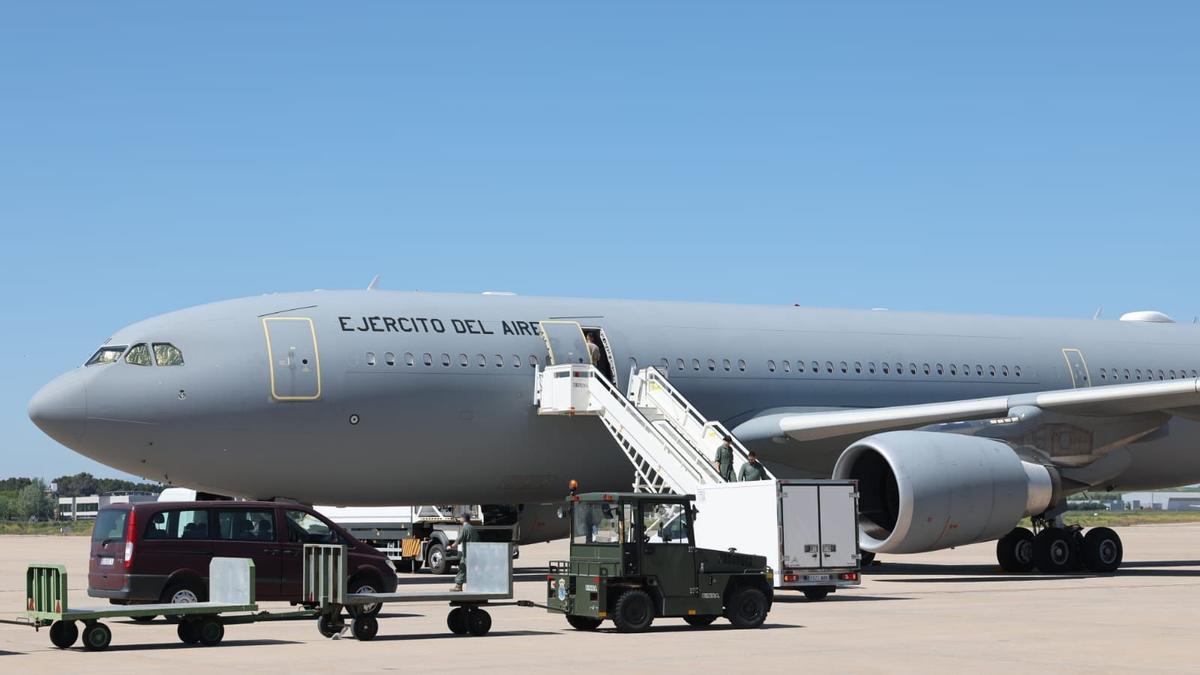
{"points": [[106, 560], [819, 577]]}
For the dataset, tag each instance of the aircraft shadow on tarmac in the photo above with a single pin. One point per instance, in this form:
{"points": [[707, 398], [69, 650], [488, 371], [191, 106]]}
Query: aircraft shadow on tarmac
{"points": [[991, 573]]}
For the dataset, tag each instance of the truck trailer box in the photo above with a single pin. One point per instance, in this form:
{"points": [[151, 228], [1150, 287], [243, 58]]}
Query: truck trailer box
{"points": [[807, 529]]}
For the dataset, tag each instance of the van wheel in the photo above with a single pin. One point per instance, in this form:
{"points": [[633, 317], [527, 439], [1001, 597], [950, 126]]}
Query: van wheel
{"points": [[182, 593], [435, 558], [634, 611], [364, 584], [747, 608]]}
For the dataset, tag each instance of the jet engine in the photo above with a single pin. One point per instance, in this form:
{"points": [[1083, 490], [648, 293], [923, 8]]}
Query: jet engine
{"points": [[923, 491]]}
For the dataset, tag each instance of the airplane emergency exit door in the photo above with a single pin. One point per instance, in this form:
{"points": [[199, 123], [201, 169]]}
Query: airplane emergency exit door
{"points": [[295, 364]]}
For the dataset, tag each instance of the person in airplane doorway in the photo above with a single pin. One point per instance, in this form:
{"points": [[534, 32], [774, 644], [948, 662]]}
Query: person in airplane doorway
{"points": [[752, 470], [724, 459], [593, 349], [466, 534]]}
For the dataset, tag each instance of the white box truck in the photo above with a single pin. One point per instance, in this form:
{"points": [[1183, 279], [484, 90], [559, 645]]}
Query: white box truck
{"points": [[807, 529]]}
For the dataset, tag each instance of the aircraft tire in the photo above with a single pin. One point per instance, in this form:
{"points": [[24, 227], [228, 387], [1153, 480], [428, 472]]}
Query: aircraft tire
{"points": [[1014, 551], [1102, 550], [1054, 551]]}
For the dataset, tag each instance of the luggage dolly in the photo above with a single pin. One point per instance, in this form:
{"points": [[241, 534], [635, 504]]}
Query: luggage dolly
{"points": [[231, 589], [489, 578]]}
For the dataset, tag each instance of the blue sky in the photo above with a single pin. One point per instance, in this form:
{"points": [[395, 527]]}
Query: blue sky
{"points": [[1031, 158]]}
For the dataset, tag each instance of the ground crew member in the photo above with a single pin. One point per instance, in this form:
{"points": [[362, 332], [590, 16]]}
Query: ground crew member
{"points": [[724, 459], [466, 534], [593, 349], [752, 470]]}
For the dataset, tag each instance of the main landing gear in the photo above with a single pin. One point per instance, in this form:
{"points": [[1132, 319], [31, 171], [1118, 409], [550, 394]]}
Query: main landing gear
{"points": [[1058, 549]]}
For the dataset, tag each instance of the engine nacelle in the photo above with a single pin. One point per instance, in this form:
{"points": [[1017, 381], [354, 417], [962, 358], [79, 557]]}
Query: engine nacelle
{"points": [[923, 491]]}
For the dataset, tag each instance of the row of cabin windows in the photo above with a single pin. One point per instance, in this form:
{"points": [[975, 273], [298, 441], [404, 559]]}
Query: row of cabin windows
{"points": [[463, 360], [1118, 374], [858, 367]]}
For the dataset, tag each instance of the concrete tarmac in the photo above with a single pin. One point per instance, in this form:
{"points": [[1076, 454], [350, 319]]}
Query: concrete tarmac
{"points": [[948, 611]]}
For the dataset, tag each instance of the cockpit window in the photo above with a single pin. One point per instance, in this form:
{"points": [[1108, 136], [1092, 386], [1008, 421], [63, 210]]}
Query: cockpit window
{"points": [[106, 355], [139, 355], [167, 354]]}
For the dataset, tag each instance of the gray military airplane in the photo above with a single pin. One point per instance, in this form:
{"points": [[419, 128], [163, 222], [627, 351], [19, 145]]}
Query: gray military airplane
{"points": [[955, 426]]}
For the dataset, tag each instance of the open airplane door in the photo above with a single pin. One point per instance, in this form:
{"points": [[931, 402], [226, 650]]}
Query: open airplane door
{"points": [[295, 365], [565, 342]]}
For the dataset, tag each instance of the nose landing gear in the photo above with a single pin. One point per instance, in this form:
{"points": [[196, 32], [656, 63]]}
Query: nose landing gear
{"points": [[1059, 549]]}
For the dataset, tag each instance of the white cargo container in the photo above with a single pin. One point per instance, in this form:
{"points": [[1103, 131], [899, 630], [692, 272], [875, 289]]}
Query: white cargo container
{"points": [[807, 529]]}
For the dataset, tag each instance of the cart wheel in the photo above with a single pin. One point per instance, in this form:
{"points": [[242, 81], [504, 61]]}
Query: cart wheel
{"points": [[329, 626], [211, 631], [456, 621], [63, 634], [188, 631], [96, 637], [479, 622], [364, 628]]}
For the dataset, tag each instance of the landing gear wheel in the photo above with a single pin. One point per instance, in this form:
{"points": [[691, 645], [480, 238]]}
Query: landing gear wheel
{"points": [[634, 611], [1102, 550], [63, 634], [479, 622], [1054, 551], [1014, 551], [435, 557], [329, 625], [747, 608], [456, 621], [96, 637], [815, 594], [188, 631], [364, 585], [364, 628], [699, 621], [212, 631], [583, 622]]}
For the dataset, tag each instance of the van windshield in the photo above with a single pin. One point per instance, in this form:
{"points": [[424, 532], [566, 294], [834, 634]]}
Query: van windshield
{"points": [[110, 525]]}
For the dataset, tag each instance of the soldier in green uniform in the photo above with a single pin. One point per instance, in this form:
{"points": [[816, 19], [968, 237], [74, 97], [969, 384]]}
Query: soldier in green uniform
{"points": [[752, 470], [466, 534], [724, 459]]}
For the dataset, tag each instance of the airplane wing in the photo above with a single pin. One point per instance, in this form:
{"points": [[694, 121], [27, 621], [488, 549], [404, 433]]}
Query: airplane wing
{"points": [[1180, 397]]}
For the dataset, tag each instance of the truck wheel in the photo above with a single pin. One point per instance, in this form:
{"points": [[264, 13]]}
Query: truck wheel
{"points": [[96, 637], [816, 593], [435, 558], [63, 634], [211, 631], [329, 625], [479, 622], [364, 584], [364, 628], [699, 621], [747, 608], [456, 621], [583, 622], [634, 611]]}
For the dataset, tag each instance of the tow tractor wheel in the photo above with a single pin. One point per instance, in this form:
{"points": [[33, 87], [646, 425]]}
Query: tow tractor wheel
{"points": [[479, 622], [96, 637], [634, 611], [456, 621], [63, 634], [364, 627], [585, 622], [747, 608], [699, 621], [329, 626], [1014, 551], [1102, 550], [188, 631], [211, 631], [1054, 551]]}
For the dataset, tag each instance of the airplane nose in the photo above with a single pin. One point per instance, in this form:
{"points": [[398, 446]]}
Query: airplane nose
{"points": [[60, 409]]}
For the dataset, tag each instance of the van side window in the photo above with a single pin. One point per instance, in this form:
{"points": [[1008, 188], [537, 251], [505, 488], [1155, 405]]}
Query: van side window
{"points": [[245, 525], [178, 524], [305, 528]]}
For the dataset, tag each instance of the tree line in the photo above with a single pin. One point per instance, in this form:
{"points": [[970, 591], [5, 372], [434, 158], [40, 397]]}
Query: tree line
{"points": [[28, 498]]}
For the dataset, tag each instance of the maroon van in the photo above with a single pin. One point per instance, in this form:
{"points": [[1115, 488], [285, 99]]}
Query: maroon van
{"points": [[159, 551]]}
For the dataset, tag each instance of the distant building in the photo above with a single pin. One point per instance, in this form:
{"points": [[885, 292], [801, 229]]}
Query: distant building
{"points": [[1166, 500], [86, 508]]}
